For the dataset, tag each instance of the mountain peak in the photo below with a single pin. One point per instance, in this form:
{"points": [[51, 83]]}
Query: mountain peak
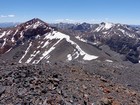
{"points": [[34, 24], [107, 25], [35, 20], [18, 35]]}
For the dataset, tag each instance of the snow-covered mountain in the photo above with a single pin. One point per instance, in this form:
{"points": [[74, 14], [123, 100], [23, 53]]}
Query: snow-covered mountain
{"points": [[121, 38], [35, 41]]}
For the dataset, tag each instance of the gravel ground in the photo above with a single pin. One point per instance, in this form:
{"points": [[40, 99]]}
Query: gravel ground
{"points": [[60, 84]]}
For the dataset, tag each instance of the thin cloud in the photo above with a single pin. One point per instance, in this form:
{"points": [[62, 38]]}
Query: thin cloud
{"points": [[3, 16], [66, 20], [11, 15], [7, 16]]}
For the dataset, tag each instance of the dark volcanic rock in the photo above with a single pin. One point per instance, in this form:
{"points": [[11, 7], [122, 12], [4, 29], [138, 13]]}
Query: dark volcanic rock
{"points": [[2, 89]]}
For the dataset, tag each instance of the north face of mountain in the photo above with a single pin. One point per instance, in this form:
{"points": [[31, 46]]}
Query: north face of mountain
{"points": [[123, 39]]}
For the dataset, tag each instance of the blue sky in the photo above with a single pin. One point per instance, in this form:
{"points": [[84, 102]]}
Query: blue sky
{"points": [[94, 11]]}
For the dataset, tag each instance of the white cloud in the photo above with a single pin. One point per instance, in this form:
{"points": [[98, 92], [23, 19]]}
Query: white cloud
{"points": [[84, 20], [3, 16], [11, 15], [7, 16]]}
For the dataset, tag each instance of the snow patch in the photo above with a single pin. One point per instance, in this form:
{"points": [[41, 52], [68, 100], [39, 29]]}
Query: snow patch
{"points": [[28, 26], [48, 62], [81, 39], [130, 35], [61, 36], [3, 43], [47, 52], [69, 57], [38, 47], [8, 32], [107, 60], [105, 26], [9, 50], [3, 34], [20, 61], [104, 32], [58, 35], [127, 34], [16, 32], [21, 35], [108, 25], [41, 42], [123, 31], [76, 55], [38, 36], [32, 56], [89, 57], [45, 44], [36, 25], [13, 39], [99, 28]]}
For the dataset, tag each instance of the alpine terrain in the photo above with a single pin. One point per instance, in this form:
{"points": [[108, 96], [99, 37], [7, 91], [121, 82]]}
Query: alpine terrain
{"points": [[69, 64]]}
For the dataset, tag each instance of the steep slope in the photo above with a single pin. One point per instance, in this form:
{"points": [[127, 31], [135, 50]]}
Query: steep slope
{"points": [[35, 41]]}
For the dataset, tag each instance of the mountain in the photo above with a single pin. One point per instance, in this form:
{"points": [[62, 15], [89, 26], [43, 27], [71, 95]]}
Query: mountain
{"points": [[136, 26], [69, 64], [121, 38], [35, 41]]}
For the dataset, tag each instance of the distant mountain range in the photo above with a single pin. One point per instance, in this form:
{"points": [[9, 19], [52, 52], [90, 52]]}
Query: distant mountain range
{"points": [[11, 24], [8, 24], [135, 26], [35, 41], [123, 39]]}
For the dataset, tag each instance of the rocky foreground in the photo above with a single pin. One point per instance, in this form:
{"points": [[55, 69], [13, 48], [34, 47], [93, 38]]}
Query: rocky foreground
{"points": [[60, 84]]}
